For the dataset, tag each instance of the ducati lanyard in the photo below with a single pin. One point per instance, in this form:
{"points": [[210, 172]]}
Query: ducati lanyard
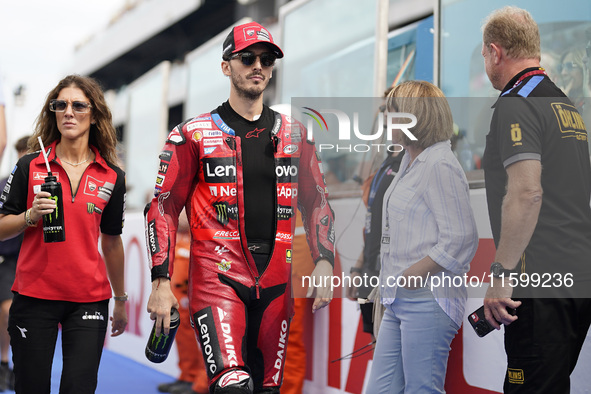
{"points": [[540, 71]]}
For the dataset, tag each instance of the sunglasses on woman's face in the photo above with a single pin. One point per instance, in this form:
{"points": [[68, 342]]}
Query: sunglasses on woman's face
{"points": [[79, 107], [568, 66], [248, 58]]}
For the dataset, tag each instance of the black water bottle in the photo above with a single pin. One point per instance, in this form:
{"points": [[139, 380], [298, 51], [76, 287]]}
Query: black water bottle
{"points": [[53, 223], [158, 347]]}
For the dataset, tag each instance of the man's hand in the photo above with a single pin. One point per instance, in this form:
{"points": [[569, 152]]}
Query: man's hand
{"points": [[496, 302], [159, 304], [322, 277]]}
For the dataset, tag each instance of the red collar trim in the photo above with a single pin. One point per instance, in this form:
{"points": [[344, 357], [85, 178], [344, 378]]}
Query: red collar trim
{"points": [[540, 71]]}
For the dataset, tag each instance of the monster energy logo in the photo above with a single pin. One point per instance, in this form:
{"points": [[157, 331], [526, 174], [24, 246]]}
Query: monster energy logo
{"points": [[284, 212], [159, 338], [56, 212], [225, 212]]}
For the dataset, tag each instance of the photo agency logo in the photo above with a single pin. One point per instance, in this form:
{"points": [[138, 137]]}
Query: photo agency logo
{"points": [[351, 137]]}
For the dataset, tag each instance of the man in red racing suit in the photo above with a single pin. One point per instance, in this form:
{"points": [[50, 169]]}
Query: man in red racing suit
{"points": [[239, 291]]}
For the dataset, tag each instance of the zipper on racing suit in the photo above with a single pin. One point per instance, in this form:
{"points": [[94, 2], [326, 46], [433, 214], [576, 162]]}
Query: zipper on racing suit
{"points": [[257, 287], [232, 142], [275, 143]]}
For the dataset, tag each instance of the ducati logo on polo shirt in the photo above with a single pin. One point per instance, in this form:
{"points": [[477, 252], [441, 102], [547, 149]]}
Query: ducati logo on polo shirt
{"points": [[97, 188]]}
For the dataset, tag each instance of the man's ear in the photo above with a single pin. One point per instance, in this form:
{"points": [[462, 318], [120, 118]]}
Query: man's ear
{"points": [[496, 52], [226, 68]]}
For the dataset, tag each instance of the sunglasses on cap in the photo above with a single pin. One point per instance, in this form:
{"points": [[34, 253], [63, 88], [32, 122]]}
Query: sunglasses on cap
{"points": [[248, 58], [79, 107]]}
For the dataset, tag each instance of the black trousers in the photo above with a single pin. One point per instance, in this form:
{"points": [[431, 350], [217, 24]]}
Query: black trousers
{"points": [[544, 343], [33, 328]]}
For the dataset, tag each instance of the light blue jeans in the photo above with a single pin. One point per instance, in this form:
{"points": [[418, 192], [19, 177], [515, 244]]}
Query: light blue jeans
{"points": [[413, 346]]}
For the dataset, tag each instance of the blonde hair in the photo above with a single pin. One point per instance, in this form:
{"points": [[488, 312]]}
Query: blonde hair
{"points": [[513, 29], [102, 134], [429, 105]]}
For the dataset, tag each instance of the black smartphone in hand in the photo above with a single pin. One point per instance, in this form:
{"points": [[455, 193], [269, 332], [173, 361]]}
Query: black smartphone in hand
{"points": [[479, 322]]}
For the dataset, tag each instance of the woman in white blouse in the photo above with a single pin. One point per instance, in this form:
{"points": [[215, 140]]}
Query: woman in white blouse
{"points": [[428, 240]]}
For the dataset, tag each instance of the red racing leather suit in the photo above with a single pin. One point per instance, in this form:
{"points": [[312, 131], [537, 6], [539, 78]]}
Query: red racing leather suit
{"points": [[201, 169]]}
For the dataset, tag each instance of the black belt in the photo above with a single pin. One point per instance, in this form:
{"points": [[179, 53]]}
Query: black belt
{"points": [[260, 247]]}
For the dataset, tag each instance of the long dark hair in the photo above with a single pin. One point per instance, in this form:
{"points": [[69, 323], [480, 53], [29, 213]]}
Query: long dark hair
{"points": [[102, 134]]}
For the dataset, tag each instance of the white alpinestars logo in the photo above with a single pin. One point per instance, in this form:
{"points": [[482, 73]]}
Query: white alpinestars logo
{"points": [[22, 330]]}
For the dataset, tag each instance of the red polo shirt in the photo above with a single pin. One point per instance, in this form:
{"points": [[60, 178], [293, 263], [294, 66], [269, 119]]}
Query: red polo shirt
{"points": [[73, 270]]}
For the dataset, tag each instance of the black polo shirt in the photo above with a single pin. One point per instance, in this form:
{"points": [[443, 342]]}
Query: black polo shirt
{"points": [[534, 120]]}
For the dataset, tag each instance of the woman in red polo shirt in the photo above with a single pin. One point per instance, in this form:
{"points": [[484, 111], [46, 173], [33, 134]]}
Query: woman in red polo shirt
{"points": [[69, 282]]}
